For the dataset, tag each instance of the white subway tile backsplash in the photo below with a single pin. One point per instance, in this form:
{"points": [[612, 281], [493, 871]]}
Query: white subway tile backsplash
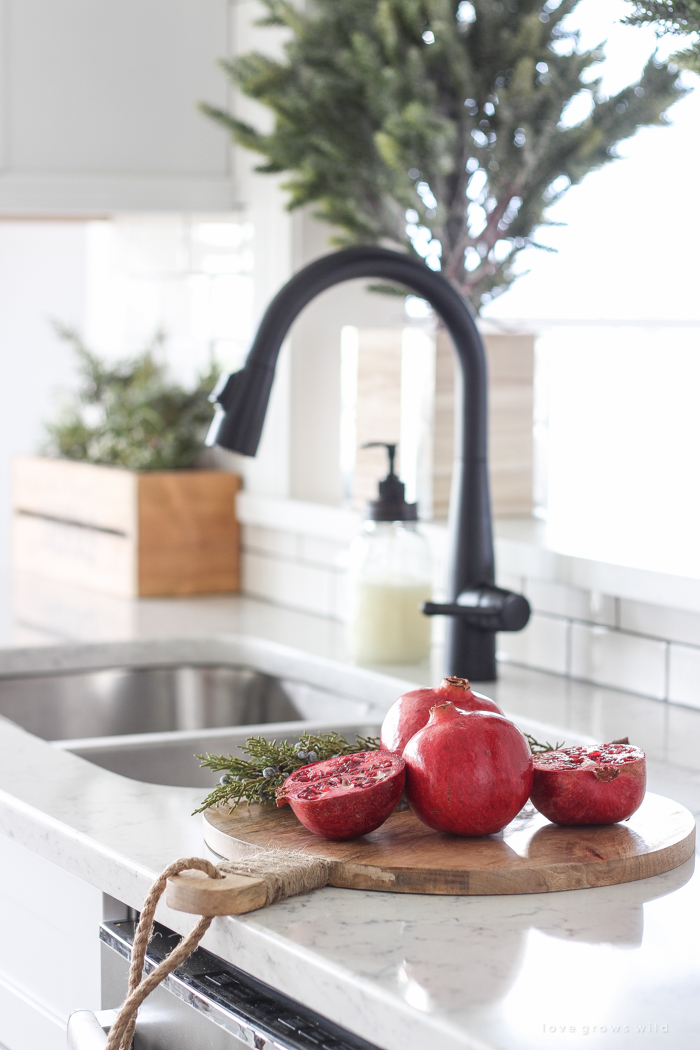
{"points": [[614, 642], [340, 596], [314, 703], [562, 600], [677, 625], [293, 546], [318, 551], [288, 583], [542, 644], [684, 675], [623, 661], [269, 541], [510, 582]]}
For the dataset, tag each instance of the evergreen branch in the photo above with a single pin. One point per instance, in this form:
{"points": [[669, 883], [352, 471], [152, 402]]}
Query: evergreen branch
{"points": [[536, 748], [128, 414], [388, 107], [255, 779], [681, 17], [671, 16]]}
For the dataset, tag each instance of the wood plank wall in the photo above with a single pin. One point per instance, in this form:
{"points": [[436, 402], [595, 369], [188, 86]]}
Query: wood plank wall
{"points": [[511, 376], [378, 407]]}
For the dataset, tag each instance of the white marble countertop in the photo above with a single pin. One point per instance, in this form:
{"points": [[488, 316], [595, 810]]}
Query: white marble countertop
{"points": [[593, 967]]}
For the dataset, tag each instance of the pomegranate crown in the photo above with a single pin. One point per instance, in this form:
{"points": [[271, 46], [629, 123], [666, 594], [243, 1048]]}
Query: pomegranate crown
{"points": [[446, 710], [457, 683]]}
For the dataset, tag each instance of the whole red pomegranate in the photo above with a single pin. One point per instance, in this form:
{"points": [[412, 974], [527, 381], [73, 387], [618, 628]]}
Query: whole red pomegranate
{"points": [[345, 796], [411, 711], [589, 785], [467, 772]]}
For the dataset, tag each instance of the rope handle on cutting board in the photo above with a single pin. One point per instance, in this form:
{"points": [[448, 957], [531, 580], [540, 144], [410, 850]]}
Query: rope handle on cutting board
{"points": [[195, 885]]}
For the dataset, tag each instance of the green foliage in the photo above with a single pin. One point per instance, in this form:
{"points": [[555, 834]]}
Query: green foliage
{"points": [[129, 415], [435, 126], [672, 16], [247, 783]]}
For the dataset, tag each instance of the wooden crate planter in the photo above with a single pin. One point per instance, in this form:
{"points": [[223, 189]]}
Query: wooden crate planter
{"points": [[123, 532]]}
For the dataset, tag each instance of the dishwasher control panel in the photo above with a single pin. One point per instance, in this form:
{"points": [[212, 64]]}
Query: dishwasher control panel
{"points": [[210, 1003]]}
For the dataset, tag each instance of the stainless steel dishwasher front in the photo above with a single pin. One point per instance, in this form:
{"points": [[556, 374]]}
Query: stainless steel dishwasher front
{"points": [[209, 1004]]}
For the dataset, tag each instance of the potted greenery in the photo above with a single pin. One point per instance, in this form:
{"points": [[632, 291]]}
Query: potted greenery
{"points": [[117, 503], [446, 128]]}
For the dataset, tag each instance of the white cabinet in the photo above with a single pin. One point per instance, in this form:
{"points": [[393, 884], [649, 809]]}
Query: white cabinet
{"points": [[98, 106], [49, 949]]}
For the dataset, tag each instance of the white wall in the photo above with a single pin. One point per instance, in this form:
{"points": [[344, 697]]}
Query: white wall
{"points": [[100, 109], [42, 276], [117, 282], [314, 434], [190, 275], [98, 106]]}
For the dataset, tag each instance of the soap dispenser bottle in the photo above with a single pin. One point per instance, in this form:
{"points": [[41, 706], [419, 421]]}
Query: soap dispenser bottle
{"points": [[389, 577]]}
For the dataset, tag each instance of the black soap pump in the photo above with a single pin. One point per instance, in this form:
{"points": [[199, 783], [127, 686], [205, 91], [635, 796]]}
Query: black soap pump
{"points": [[389, 578], [390, 504]]}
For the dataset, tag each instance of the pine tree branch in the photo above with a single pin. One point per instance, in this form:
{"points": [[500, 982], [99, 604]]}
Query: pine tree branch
{"points": [[388, 108]]}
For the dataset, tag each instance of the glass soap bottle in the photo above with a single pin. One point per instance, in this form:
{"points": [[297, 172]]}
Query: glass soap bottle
{"points": [[389, 577]]}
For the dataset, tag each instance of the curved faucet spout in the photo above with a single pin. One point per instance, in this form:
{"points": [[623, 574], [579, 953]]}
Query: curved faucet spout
{"points": [[244, 396]]}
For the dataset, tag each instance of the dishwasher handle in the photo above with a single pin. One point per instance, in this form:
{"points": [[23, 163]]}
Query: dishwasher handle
{"points": [[87, 1030]]}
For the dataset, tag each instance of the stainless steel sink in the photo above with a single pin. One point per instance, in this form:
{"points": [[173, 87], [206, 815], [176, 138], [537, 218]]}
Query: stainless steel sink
{"points": [[147, 720], [148, 723], [126, 700], [169, 758]]}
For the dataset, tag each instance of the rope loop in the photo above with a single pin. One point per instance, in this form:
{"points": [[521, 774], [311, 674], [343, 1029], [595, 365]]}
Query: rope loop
{"points": [[285, 874], [122, 1031]]}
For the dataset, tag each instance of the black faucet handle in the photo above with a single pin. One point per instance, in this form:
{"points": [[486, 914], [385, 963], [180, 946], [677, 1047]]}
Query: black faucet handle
{"points": [[488, 608]]}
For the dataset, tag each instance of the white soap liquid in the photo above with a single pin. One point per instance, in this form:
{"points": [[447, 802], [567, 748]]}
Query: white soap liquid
{"points": [[385, 623]]}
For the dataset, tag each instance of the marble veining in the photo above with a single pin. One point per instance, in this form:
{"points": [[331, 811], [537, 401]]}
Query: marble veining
{"points": [[590, 967]]}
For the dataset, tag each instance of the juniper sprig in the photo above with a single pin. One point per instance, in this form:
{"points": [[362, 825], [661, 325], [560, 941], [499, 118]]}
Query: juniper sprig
{"points": [[536, 748], [256, 778]]}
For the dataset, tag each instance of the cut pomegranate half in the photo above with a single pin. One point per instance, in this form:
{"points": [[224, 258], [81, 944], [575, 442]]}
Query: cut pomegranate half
{"points": [[346, 796], [589, 785]]}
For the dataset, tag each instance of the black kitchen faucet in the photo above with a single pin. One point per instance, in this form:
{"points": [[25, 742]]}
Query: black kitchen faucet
{"points": [[477, 608]]}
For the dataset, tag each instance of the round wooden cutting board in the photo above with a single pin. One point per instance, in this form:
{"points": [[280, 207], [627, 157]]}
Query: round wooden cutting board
{"points": [[529, 856]]}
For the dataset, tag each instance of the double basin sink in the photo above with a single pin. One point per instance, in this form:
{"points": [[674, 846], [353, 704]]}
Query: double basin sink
{"points": [[148, 723]]}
